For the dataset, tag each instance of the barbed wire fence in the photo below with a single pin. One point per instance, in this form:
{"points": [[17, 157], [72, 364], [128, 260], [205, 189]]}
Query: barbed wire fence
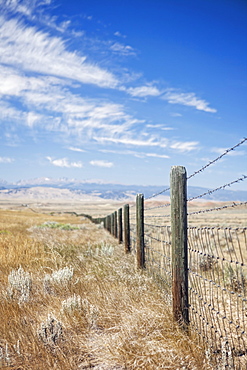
{"points": [[200, 264]]}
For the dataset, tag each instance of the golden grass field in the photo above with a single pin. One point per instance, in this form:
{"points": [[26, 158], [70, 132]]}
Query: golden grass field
{"points": [[71, 299]]}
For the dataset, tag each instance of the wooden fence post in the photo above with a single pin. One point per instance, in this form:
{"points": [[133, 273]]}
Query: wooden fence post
{"points": [[126, 229], [178, 185], [120, 226], [112, 224], [108, 223], [115, 224], [140, 252]]}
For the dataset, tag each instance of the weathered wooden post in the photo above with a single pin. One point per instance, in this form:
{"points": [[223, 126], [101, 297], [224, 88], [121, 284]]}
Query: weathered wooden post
{"points": [[126, 229], [115, 224], [112, 224], [108, 223], [120, 226], [178, 185], [140, 249]]}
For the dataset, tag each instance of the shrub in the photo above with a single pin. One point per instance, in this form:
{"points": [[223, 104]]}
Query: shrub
{"points": [[20, 285]]}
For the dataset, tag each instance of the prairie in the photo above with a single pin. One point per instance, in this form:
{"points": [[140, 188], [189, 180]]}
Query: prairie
{"points": [[72, 299]]}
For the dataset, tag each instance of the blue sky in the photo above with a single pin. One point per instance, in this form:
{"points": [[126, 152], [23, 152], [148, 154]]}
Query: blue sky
{"points": [[120, 91]]}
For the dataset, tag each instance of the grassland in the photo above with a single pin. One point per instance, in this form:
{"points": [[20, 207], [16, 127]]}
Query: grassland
{"points": [[71, 299]]}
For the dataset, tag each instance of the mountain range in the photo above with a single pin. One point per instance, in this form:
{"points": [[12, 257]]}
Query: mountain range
{"points": [[72, 188]]}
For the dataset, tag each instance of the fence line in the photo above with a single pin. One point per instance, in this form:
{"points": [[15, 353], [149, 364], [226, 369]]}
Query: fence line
{"points": [[202, 269]]}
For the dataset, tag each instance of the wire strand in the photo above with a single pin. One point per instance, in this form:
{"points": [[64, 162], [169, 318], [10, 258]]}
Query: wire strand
{"points": [[216, 159]]}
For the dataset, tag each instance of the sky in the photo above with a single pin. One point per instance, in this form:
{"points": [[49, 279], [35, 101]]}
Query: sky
{"points": [[119, 91]]}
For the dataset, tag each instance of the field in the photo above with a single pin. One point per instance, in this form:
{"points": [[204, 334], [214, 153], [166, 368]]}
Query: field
{"points": [[71, 298]]}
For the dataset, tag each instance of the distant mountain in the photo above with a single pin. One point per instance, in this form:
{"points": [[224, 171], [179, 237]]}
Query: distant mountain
{"points": [[71, 188]]}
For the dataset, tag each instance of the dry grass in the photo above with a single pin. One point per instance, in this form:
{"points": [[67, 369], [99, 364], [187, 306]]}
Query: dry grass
{"points": [[86, 307]]}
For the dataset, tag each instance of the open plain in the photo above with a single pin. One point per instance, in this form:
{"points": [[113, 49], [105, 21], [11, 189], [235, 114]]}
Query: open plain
{"points": [[72, 299]]}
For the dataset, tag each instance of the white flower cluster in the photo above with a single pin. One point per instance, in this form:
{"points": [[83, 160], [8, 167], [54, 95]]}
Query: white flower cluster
{"points": [[72, 304], [76, 303], [20, 285], [60, 277]]}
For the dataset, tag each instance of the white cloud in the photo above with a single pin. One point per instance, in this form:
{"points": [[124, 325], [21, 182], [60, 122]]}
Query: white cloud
{"points": [[122, 49], [188, 99], [157, 155], [6, 160], [24, 7], [185, 146], [61, 109], [10, 113], [161, 127], [176, 115], [37, 51], [131, 141], [64, 162], [134, 153], [231, 153], [101, 163], [37, 72], [32, 118], [76, 149], [118, 34], [143, 91]]}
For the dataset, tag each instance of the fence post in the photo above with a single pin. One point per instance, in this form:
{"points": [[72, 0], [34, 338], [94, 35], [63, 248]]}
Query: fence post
{"points": [[178, 185], [140, 252], [120, 226], [112, 224], [115, 224], [126, 229], [108, 223]]}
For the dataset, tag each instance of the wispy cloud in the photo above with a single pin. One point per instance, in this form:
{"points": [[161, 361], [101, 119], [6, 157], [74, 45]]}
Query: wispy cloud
{"points": [[134, 153], [188, 99], [23, 7], [131, 141], [185, 146], [40, 80], [61, 109], [176, 115], [102, 163], [143, 91], [118, 34], [231, 153], [160, 127], [64, 162], [155, 155], [6, 160], [37, 51], [122, 49], [76, 149]]}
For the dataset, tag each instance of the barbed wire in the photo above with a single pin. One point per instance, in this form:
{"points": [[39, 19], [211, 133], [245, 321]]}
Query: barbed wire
{"points": [[216, 159], [216, 208], [153, 238], [151, 208], [242, 229], [157, 226], [160, 216], [156, 194], [209, 192]]}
